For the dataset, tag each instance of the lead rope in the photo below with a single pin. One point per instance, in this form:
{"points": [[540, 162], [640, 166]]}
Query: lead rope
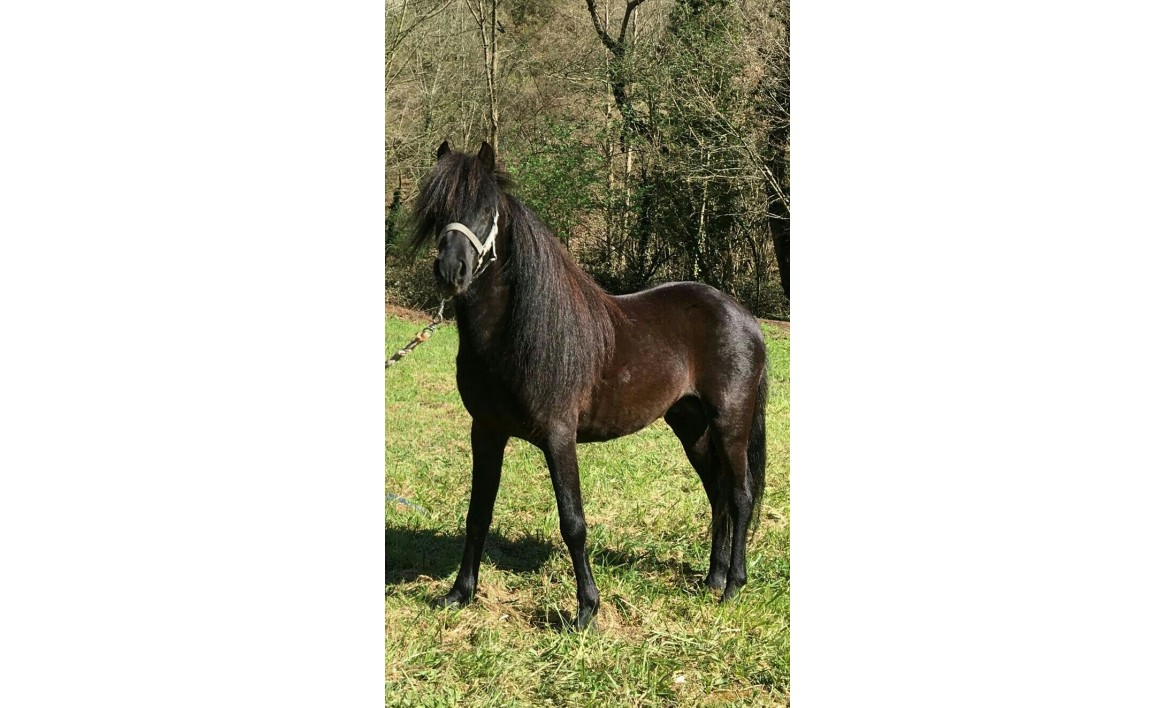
{"points": [[422, 336]]}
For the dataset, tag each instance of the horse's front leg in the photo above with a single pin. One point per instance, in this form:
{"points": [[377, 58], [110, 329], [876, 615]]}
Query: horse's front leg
{"points": [[560, 451], [487, 446]]}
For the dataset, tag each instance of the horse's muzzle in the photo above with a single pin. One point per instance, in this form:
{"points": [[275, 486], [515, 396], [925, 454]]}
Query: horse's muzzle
{"points": [[452, 274]]}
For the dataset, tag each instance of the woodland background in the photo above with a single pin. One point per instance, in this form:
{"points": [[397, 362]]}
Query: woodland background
{"points": [[652, 136]]}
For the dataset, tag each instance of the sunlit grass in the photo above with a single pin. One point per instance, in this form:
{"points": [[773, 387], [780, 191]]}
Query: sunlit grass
{"points": [[657, 639]]}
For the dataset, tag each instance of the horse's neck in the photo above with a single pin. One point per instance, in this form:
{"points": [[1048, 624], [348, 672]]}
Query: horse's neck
{"points": [[481, 313]]}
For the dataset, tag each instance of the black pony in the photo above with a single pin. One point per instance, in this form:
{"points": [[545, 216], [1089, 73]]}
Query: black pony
{"points": [[545, 355]]}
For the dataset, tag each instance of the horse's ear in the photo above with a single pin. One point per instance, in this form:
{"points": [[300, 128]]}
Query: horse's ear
{"points": [[443, 150], [486, 156]]}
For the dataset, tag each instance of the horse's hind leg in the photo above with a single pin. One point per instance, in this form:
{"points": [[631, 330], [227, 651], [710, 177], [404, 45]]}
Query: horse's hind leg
{"points": [[732, 434], [689, 422]]}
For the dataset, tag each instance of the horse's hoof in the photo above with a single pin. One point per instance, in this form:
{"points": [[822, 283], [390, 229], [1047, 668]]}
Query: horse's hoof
{"points": [[453, 599], [584, 618], [715, 582], [730, 593]]}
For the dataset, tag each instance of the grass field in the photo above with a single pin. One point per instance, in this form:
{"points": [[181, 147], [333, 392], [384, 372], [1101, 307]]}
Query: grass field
{"points": [[658, 640]]}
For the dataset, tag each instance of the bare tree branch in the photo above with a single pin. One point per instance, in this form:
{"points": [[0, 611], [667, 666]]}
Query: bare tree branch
{"points": [[625, 22], [616, 46], [608, 41]]}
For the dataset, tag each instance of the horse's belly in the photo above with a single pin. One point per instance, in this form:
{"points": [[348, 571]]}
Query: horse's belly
{"points": [[599, 429], [622, 407]]}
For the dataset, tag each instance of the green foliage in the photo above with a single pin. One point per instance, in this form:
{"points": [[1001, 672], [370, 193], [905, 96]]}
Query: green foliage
{"points": [[409, 277], [560, 178], [648, 543]]}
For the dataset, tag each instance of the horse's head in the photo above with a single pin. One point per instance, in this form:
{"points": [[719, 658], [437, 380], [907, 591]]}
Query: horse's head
{"points": [[458, 205]]}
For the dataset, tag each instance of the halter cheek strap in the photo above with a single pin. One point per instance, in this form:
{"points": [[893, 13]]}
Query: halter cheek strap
{"points": [[482, 247]]}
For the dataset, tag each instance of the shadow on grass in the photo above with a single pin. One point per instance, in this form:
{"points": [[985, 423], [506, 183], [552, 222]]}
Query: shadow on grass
{"points": [[413, 553], [647, 562], [553, 620]]}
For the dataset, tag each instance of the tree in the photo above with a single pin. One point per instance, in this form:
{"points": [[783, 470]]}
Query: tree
{"points": [[488, 29], [618, 69], [774, 108]]}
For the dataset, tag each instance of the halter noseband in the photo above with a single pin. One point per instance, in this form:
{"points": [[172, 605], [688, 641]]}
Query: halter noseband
{"points": [[482, 247]]}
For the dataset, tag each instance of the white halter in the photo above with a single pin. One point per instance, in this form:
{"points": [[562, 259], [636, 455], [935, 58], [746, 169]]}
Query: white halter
{"points": [[482, 247]]}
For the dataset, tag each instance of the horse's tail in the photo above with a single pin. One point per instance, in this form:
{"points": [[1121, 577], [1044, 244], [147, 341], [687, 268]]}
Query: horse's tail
{"points": [[757, 449]]}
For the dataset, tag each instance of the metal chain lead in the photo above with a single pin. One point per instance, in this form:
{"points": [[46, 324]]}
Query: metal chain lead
{"points": [[422, 336]]}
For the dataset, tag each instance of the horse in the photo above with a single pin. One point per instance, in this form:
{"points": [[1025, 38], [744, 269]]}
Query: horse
{"points": [[547, 356]]}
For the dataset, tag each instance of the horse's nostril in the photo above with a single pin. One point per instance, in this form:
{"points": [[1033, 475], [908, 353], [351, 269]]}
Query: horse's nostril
{"points": [[461, 269]]}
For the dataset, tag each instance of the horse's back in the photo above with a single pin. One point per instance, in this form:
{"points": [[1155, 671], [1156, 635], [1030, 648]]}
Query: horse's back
{"points": [[694, 314]]}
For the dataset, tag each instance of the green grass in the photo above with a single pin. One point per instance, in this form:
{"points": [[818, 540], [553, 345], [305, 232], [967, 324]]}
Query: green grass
{"points": [[657, 639]]}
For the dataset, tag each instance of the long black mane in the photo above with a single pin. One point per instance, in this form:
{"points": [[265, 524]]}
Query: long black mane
{"points": [[559, 330]]}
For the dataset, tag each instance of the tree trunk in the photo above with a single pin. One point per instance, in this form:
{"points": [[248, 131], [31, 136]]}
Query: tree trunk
{"points": [[778, 222], [494, 75], [490, 60]]}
